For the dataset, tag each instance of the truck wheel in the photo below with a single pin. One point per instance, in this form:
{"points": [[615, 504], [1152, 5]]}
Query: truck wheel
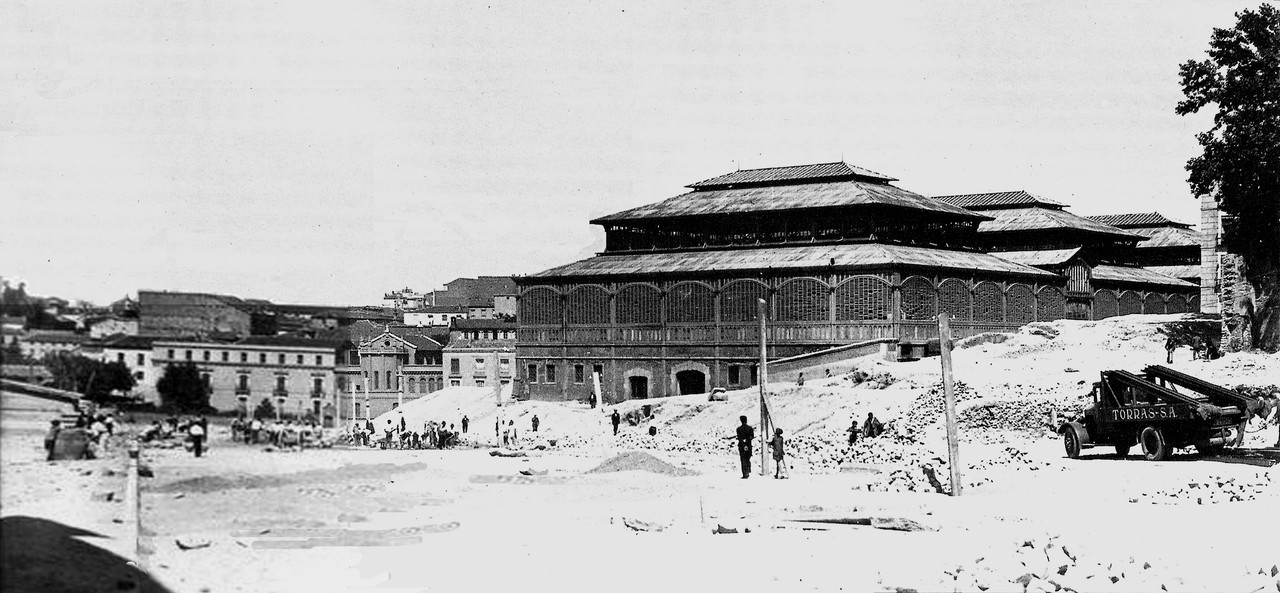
{"points": [[1123, 450], [1071, 443], [1153, 445]]}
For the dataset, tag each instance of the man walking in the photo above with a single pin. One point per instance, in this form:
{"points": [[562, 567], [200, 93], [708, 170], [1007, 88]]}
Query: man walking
{"points": [[616, 419], [465, 423], [196, 431], [746, 435], [535, 423]]}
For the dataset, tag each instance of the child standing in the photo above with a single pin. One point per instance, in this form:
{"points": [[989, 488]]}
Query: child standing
{"points": [[778, 445]]}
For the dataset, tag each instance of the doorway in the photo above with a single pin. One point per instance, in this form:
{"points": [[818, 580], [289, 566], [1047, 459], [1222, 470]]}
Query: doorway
{"points": [[690, 382], [639, 387]]}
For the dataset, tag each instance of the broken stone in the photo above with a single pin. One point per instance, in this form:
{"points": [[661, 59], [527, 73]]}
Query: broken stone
{"points": [[898, 524], [192, 543], [106, 496], [722, 529], [638, 525]]}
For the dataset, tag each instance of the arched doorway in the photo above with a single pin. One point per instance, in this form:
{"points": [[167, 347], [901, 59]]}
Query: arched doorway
{"points": [[690, 382]]}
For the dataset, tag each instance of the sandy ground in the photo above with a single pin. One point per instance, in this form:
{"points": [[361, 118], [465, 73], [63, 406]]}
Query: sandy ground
{"points": [[347, 519]]}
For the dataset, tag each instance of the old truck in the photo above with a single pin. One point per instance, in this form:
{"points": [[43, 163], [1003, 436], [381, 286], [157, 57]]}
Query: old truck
{"points": [[1159, 410]]}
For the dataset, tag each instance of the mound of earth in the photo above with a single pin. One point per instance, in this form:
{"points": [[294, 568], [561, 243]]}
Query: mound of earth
{"points": [[636, 460]]}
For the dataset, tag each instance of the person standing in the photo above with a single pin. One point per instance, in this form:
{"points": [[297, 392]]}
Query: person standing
{"points": [[872, 427], [853, 432], [746, 435], [196, 432], [778, 445], [1169, 346], [51, 438], [465, 422], [616, 419], [800, 380], [535, 423]]}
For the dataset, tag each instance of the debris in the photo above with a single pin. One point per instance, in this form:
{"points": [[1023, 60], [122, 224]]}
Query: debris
{"points": [[638, 525], [722, 529], [105, 496], [640, 461], [192, 543], [898, 524]]}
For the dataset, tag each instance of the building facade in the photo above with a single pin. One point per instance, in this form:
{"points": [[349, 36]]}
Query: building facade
{"points": [[135, 352], [480, 353], [382, 366], [180, 314], [1171, 248], [436, 315], [295, 374], [837, 254]]}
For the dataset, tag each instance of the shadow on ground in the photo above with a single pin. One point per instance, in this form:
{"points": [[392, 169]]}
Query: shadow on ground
{"points": [[40, 555]]}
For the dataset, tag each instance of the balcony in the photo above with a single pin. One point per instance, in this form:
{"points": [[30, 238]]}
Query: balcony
{"points": [[243, 391], [281, 393]]}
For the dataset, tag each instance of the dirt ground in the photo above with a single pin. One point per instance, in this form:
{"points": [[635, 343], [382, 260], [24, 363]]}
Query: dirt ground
{"points": [[353, 519]]}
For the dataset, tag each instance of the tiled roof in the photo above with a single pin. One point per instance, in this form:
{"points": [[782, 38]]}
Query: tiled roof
{"points": [[1167, 236], [288, 342], [1188, 272], [1140, 219], [788, 197], [1135, 276], [1043, 257], [1001, 199], [498, 324], [56, 336], [1043, 219], [848, 256], [792, 174], [439, 309], [131, 342], [422, 342]]}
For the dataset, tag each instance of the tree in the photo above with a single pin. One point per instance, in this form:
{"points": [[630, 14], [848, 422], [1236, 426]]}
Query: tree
{"points": [[182, 389], [12, 354], [112, 376], [1240, 162], [91, 377], [265, 410]]}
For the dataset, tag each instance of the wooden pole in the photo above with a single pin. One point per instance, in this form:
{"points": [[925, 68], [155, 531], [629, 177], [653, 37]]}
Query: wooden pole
{"points": [[595, 386], [953, 439], [762, 312], [367, 417]]}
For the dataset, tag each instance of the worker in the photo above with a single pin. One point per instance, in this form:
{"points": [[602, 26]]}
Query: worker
{"points": [[616, 419], [800, 380], [51, 438], [746, 436], [778, 445], [535, 423], [196, 432], [872, 427], [853, 432], [1169, 346], [465, 423]]}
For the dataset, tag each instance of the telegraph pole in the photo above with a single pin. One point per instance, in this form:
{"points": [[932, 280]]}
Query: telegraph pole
{"points": [[953, 439], [762, 308], [366, 399]]}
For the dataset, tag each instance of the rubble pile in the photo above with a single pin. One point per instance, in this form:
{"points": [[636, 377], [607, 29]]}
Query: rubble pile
{"points": [[640, 461], [1028, 415], [1212, 490], [1047, 564], [927, 410], [870, 381]]}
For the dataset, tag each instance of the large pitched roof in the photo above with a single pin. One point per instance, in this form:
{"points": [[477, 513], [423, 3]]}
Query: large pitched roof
{"points": [[1136, 220], [1041, 257], [1167, 236], [459, 323], [792, 174], [1000, 199], [289, 342], [1044, 219], [1188, 272], [775, 198], [857, 255], [1130, 275]]}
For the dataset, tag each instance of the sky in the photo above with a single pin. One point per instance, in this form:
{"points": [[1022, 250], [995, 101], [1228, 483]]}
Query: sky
{"points": [[326, 153]]}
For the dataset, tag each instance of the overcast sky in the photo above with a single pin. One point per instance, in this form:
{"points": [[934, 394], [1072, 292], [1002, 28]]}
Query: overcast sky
{"points": [[314, 152]]}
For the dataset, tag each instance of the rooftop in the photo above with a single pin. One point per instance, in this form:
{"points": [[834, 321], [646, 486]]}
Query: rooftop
{"points": [[1001, 199], [1136, 276], [794, 196], [1040, 257], [793, 174], [1188, 272], [1137, 220], [1037, 218], [847, 256], [467, 324], [1167, 236]]}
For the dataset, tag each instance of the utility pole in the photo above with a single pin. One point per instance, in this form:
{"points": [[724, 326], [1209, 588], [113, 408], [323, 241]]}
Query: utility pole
{"points": [[762, 308], [366, 399], [953, 439], [399, 389]]}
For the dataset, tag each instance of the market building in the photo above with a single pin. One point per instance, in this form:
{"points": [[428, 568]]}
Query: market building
{"points": [[1172, 248], [841, 257]]}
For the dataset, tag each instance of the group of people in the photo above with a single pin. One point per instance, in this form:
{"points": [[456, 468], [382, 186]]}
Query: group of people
{"points": [[287, 433], [97, 429], [746, 436], [871, 428], [435, 434], [1200, 349], [194, 430]]}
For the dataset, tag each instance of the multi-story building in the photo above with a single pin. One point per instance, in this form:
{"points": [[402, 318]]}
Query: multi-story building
{"points": [[839, 256], [435, 315], [405, 299], [480, 353], [178, 314], [1099, 262], [111, 326], [39, 343], [1172, 248], [135, 352], [295, 374], [381, 366]]}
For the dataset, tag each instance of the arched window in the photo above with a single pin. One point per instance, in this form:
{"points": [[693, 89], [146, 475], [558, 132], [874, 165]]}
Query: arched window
{"points": [[988, 303], [1105, 304], [1051, 304], [690, 302], [639, 303], [1021, 307], [587, 305], [863, 298], [954, 298], [1130, 303], [805, 299], [1153, 304], [919, 299], [739, 300], [541, 306], [1176, 304]]}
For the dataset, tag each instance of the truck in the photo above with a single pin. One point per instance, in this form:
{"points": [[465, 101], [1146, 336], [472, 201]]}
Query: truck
{"points": [[1159, 410]]}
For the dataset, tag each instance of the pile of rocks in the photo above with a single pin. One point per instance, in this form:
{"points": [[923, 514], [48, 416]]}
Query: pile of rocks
{"points": [[1031, 415], [870, 380], [1212, 490], [1047, 564]]}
